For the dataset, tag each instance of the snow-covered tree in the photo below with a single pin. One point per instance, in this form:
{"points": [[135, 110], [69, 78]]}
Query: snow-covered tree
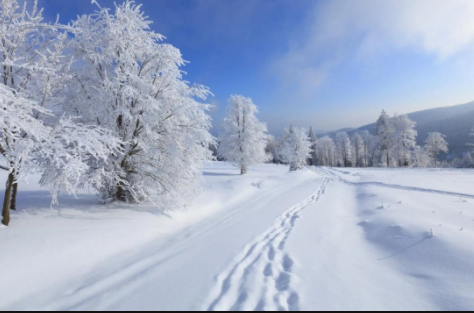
{"points": [[385, 135], [129, 82], [464, 162], [273, 149], [17, 118], [74, 155], [404, 139], [359, 150], [326, 150], [344, 149], [244, 139], [26, 49], [467, 161], [314, 143], [420, 157], [34, 131], [434, 145], [297, 148], [371, 146]]}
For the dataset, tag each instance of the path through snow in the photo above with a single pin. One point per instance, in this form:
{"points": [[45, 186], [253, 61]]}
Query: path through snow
{"points": [[260, 279]]}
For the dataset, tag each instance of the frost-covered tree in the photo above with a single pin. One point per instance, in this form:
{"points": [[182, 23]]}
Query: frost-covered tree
{"points": [[74, 155], [273, 149], [296, 148], [434, 145], [326, 150], [464, 162], [344, 149], [467, 161], [420, 157], [244, 139], [371, 146], [17, 118], [28, 73], [314, 143], [35, 135], [404, 139], [359, 149], [385, 136], [129, 82]]}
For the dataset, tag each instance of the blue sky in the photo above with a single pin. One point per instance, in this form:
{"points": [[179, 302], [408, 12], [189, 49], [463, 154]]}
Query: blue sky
{"points": [[330, 63]]}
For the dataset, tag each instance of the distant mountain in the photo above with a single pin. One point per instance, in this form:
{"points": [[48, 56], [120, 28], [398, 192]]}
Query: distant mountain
{"points": [[455, 122]]}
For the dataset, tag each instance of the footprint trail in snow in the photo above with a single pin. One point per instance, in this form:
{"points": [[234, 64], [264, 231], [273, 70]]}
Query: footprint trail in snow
{"points": [[261, 277]]}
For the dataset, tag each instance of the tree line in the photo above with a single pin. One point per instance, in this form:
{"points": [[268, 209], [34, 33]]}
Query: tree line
{"points": [[393, 145]]}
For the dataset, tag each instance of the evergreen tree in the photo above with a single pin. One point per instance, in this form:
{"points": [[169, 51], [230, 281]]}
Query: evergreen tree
{"points": [[314, 143]]}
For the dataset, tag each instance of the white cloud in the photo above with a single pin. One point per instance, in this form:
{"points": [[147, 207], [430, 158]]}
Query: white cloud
{"points": [[343, 29]]}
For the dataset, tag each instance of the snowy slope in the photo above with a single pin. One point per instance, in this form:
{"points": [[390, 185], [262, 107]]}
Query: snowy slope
{"points": [[312, 240], [83, 255]]}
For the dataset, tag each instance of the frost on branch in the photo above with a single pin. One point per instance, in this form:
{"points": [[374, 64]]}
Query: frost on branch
{"points": [[131, 84], [296, 148], [244, 139], [75, 155], [36, 135]]}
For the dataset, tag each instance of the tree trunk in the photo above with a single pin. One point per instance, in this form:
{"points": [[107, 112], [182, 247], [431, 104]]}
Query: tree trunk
{"points": [[7, 201], [243, 170], [293, 167], [119, 194], [14, 196]]}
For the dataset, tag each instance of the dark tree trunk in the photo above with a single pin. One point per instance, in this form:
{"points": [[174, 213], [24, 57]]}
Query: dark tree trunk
{"points": [[7, 201], [14, 196], [119, 194]]}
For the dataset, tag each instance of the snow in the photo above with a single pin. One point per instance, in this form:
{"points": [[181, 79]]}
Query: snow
{"points": [[316, 239]]}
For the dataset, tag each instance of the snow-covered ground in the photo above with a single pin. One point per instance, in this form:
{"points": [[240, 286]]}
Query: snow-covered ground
{"points": [[358, 239]]}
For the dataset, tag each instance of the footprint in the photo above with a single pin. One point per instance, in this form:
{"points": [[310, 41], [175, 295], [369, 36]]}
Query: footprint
{"points": [[283, 282], [282, 244], [271, 254], [293, 219], [268, 271], [287, 264], [294, 302]]}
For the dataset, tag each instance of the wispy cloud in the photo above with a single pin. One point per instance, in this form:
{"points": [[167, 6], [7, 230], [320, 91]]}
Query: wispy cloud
{"points": [[339, 30]]}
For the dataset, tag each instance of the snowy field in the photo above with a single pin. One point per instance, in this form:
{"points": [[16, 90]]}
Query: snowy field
{"points": [[317, 239]]}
